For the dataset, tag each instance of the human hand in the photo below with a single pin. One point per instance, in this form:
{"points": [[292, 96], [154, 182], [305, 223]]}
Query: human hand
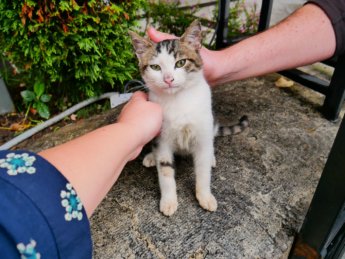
{"points": [[143, 119], [209, 57]]}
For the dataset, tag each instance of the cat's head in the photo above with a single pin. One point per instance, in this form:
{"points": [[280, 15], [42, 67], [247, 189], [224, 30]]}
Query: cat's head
{"points": [[167, 66]]}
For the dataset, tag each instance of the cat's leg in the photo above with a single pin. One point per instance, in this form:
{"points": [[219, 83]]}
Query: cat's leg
{"points": [[166, 174], [149, 160], [203, 161]]}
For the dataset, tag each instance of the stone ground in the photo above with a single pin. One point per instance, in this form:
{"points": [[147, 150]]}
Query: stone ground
{"points": [[264, 181]]}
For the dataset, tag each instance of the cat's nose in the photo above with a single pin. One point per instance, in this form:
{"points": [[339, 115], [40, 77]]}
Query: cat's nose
{"points": [[168, 80]]}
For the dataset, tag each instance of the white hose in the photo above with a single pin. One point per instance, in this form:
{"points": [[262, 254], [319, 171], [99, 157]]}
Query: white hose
{"points": [[115, 100]]}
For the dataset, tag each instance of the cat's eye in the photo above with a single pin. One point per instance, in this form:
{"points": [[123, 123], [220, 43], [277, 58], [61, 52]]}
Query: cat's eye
{"points": [[180, 63], [155, 67]]}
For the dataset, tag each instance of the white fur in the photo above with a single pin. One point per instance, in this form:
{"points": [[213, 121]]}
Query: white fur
{"points": [[187, 127]]}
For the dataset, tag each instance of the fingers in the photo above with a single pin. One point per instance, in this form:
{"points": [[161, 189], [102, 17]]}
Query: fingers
{"points": [[158, 36]]}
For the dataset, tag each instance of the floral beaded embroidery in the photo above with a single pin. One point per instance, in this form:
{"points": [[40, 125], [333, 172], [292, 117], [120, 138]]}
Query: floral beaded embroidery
{"points": [[18, 163], [28, 251], [71, 202]]}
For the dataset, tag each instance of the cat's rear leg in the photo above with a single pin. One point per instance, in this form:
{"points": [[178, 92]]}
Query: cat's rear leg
{"points": [[149, 160]]}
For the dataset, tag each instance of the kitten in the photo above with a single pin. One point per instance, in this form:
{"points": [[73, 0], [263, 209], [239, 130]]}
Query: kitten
{"points": [[172, 71]]}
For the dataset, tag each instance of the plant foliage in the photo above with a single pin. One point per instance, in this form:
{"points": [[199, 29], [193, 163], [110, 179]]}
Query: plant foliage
{"points": [[243, 20], [169, 17], [69, 48]]}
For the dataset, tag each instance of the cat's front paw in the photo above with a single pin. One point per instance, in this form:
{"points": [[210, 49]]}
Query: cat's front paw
{"points": [[207, 201], [168, 206], [149, 160]]}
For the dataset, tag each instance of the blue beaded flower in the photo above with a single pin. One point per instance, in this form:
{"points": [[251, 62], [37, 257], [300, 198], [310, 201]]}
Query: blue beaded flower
{"points": [[28, 251], [72, 203], [18, 163]]}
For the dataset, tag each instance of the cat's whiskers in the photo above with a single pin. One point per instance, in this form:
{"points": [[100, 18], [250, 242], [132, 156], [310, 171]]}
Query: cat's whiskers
{"points": [[138, 85]]}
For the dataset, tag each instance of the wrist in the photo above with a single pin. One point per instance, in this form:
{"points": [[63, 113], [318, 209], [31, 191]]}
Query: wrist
{"points": [[134, 140], [218, 66], [131, 133]]}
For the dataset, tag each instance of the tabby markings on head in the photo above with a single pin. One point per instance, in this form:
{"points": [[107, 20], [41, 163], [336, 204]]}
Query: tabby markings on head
{"points": [[180, 51], [171, 46]]}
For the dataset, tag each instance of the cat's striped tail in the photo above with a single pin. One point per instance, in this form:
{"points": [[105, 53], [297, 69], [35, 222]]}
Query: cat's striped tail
{"points": [[233, 129]]}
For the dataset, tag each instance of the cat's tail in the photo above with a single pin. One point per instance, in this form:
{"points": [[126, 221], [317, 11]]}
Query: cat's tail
{"points": [[233, 129]]}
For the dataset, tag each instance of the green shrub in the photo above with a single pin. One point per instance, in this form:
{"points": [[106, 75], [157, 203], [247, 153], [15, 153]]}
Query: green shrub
{"points": [[169, 17], [242, 19], [75, 49]]}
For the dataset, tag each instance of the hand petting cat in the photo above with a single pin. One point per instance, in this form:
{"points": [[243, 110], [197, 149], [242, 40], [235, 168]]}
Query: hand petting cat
{"points": [[209, 57], [143, 117]]}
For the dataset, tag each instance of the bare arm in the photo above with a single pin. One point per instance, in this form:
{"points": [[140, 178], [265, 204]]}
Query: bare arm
{"points": [[304, 37], [93, 162]]}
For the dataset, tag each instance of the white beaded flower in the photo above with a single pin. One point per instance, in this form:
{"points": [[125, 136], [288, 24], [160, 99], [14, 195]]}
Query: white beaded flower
{"points": [[28, 251], [71, 202], [18, 163]]}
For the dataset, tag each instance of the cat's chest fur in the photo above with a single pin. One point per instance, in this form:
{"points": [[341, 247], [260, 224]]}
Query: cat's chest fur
{"points": [[187, 115]]}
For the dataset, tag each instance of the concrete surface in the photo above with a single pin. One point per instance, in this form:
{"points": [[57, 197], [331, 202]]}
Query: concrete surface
{"points": [[264, 181]]}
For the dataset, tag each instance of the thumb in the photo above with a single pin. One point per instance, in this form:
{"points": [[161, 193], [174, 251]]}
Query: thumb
{"points": [[139, 96], [158, 36]]}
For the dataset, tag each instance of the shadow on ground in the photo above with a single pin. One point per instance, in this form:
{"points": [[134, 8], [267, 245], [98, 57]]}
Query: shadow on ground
{"points": [[264, 181]]}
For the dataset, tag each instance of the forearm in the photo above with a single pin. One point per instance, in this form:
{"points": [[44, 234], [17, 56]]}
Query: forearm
{"points": [[93, 162], [305, 37]]}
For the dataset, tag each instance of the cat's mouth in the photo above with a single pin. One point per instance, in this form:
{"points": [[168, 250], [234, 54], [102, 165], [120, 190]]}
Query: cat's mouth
{"points": [[169, 86], [170, 89]]}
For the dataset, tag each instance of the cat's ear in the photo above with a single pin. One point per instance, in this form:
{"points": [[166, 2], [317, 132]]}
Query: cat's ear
{"points": [[192, 35], [140, 44]]}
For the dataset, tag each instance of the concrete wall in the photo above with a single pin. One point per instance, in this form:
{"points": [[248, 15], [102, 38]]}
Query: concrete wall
{"points": [[280, 10]]}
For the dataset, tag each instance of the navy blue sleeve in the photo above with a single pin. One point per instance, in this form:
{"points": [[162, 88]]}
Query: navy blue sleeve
{"points": [[41, 215], [335, 10]]}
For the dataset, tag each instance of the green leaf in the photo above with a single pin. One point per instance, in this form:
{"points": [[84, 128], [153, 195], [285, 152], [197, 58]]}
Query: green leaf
{"points": [[65, 6], [45, 98], [43, 110], [39, 88], [27, 95], [77, 51]]}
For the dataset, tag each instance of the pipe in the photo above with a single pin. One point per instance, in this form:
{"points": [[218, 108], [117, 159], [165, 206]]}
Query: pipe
{"points": [[115, 100]]}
